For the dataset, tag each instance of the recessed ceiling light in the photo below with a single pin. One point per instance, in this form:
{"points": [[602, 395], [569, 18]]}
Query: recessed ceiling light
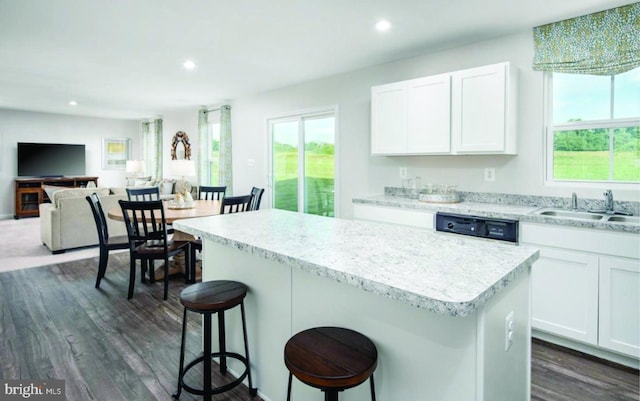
{"points": [[383, 25], [189, 65], [73, 103]]}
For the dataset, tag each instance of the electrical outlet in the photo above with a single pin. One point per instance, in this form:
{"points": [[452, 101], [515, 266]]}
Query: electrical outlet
{"points": [[490, 174], [403, 172], [508, 331]]}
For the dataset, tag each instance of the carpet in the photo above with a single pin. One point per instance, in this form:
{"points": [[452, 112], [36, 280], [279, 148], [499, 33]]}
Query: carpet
{"points": [[20, 246]]}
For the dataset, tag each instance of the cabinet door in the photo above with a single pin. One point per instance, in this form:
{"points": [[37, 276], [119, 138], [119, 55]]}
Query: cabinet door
{"points": [[478, 109], [565, 294], [388, 119], [429, 115], [620, 305]]}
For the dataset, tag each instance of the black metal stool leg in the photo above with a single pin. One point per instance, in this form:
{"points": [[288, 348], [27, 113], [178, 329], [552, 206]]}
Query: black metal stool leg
{"points": [[373, 388], [289, 388], [330, 395], [223, 343], [176, 395], [252, 390], [206, 383]]}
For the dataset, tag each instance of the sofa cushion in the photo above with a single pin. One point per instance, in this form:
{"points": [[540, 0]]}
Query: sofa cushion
{"points": [[77, 192], [51, 189]]}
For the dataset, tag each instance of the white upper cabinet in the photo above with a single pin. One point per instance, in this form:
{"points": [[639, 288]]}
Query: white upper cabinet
{"points": [[463, 112], [429, 115], [411, 117], [480, 110], [388, 119]]}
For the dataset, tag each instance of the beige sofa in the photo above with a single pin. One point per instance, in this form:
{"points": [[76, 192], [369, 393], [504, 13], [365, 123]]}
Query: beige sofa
{"points": [[67, 222]]}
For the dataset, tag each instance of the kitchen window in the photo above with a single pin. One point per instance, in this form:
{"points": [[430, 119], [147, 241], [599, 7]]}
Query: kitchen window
{"points": [[593, 129]]}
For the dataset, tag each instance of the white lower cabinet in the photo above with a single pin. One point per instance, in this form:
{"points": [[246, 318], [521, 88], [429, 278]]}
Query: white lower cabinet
{"points": [[586, 287], [620, 305], [565, 299]]}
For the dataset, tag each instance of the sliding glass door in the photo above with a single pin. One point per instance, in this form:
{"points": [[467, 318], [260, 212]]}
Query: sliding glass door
{"points": [[303, 163]]}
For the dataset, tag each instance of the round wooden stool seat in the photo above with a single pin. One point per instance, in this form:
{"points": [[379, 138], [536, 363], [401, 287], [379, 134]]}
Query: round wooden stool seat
{"points": [[211, 296], [331, 358]]}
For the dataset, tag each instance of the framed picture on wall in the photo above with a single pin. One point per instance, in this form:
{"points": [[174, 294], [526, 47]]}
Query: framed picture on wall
{"points": [[115, 153]]}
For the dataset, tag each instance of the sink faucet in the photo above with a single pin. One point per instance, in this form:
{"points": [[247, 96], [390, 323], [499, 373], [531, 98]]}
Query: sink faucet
{"points": [[574, 201], [608, 201], [608, 205]]}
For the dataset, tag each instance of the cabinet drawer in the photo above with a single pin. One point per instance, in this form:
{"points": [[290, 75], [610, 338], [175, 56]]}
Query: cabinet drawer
{"points": [[581, 239], [413, 218]]}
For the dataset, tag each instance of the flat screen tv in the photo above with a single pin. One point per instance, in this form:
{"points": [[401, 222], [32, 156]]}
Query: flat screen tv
{"points": [[50, 160]]}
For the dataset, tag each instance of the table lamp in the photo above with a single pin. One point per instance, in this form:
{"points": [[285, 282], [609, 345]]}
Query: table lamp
{"points": [[183, 169], [133, 168]]}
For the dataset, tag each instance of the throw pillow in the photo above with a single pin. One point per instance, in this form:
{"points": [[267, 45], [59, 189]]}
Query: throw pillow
{"points": [[166, 187]]}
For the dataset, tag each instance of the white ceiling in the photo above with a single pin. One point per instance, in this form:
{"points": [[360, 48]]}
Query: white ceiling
{"points": [[123, 58]]}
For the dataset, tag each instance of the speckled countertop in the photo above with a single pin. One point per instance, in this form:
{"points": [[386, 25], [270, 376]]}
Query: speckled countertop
{"points": [[445, 274], [521, 212]]}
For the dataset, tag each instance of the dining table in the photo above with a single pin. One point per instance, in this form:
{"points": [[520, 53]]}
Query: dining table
{"points": [[173, 212]]}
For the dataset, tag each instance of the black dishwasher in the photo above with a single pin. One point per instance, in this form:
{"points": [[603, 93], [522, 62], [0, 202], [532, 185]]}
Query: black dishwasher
{"points": [[478, 226]]}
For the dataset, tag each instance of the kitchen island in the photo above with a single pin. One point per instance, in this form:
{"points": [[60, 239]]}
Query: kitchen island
{"points": [[435, 305]]}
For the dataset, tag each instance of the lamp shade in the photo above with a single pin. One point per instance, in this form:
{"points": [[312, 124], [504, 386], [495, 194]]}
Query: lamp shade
{"points": [[183, 168], [134, 166]]}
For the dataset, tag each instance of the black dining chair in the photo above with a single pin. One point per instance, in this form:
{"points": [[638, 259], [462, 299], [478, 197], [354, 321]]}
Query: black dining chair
{"points": [[256, 197], [235, 204], [149, 239], [106, 242], [204, 193], [230, 204], [211, 193], [143, 194]]}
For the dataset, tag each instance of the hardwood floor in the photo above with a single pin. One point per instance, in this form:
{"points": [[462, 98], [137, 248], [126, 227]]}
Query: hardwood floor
{"points": [[559, 374], [54, 324]]}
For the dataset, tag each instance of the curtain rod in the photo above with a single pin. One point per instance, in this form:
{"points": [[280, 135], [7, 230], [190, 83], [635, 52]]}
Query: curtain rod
{"points": [[218, 109]]}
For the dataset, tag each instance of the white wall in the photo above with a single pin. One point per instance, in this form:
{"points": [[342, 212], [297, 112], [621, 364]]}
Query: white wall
{"points": [[362, 174], [22, 126]]}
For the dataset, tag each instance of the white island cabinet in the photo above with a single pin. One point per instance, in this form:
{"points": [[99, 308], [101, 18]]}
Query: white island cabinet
{"points": [[436, 306]]}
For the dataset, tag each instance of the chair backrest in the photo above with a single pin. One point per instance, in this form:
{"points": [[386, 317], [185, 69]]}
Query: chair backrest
{"points": [[212, 193], [256, 197], [143, 194], [235, 204], [98, 216], [145, 221]]}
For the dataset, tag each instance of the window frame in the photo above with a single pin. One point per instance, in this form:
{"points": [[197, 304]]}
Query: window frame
{"points": [[299, 116], [550, 128]]}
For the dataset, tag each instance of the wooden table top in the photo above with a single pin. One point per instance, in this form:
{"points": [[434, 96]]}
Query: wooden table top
{"points": [[202, 208]]}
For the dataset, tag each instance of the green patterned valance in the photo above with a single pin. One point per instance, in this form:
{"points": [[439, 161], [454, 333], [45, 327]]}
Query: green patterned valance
{"points": [[603, 43]]}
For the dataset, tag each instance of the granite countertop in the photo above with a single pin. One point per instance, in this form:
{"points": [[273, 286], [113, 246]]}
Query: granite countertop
{"points": [[445, 274], [496, 210]]}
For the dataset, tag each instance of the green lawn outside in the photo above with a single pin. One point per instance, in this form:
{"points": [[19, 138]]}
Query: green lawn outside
{"points": [[594, 166], [319, 170]]}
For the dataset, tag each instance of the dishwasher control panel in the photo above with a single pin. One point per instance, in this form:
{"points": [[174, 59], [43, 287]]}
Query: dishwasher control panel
{"points": [[477, 226]]}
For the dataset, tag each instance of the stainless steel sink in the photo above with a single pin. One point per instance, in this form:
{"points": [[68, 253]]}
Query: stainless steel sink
{"points": [[569, 214], [623, 219]]}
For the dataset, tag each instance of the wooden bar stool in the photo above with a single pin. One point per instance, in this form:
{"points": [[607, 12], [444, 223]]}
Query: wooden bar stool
{"points": [[332, 359], [208, 298]]}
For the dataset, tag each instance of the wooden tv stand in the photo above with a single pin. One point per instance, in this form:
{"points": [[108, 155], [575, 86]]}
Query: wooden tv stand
{"points": [[29, 192]]}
